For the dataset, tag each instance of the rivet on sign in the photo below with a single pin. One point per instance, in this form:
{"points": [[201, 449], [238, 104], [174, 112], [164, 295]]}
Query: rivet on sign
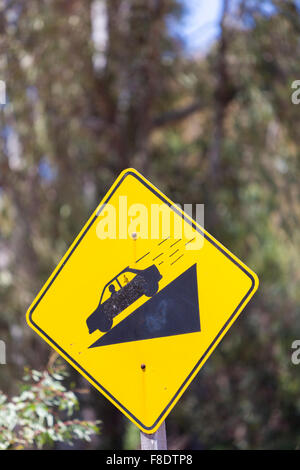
{"points": [[143, 366]]}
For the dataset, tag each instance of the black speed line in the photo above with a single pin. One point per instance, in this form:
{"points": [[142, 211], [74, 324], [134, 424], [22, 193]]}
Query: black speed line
{"points": [[190, 240], [175, 242], [143, 256], [176, 259], [163, 241], [173, 253]]}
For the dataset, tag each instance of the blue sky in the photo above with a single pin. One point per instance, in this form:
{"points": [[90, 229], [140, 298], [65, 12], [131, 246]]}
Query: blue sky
{"points": [[199, 26]]}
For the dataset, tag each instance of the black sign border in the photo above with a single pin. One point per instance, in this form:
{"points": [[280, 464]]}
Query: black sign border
{"points": [[205, 235]]}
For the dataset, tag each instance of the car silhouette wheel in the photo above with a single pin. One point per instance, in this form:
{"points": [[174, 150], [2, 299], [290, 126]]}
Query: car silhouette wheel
{"points": [[104, 323], [151, 290]]}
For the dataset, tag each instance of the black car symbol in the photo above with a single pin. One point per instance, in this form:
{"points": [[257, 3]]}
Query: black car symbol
{"points": [[145, 283]]}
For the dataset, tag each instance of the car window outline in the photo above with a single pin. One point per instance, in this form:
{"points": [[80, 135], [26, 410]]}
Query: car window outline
{"points": [[128, 269], [111, 281]]}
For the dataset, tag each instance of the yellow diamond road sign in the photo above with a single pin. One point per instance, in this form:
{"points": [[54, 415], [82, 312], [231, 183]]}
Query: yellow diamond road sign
{"points": [[141, 299]]}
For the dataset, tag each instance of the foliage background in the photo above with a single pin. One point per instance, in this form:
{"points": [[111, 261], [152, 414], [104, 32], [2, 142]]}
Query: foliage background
{"points": [[217, 127]]}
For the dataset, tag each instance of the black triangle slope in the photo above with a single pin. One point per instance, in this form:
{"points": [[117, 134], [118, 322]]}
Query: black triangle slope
{"points": [[172, 311]]}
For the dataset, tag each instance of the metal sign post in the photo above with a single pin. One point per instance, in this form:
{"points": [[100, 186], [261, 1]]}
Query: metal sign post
{"points": [[155, 441]]}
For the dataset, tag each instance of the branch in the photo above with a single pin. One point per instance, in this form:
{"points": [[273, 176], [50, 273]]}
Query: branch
{"points": [[177, 115]]}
